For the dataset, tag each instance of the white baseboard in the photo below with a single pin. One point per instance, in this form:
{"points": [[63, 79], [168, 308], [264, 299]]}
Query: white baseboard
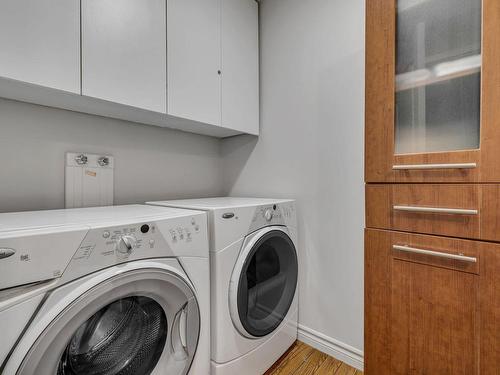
{"points": [[337, 349]]}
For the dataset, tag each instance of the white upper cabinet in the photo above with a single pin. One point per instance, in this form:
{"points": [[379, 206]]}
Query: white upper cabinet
{"points": [[213, 62], [40, 42], [194, 60], [186, 64], [124, 52], [240, 65]]}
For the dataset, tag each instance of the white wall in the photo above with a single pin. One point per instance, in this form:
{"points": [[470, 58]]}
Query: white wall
{"points": [[311, 149], [151, 163]]}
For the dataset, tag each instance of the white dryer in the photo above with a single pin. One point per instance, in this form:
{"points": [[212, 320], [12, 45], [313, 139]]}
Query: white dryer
{"points": [[103, 291], [254, 270]]}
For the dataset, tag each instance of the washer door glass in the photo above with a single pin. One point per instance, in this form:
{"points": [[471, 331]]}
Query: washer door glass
{"points": [[267, 283], [140, 322], [125, 337]]}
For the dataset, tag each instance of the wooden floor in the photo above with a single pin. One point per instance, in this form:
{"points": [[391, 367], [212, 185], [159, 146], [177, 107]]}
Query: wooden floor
{"points": [[301, 359]]}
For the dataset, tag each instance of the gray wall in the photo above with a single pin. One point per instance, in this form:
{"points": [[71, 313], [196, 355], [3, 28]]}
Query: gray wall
{"points": [[311, 149], [151, 163]]}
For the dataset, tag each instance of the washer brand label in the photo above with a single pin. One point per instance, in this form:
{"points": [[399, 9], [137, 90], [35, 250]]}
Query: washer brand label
{"points": [[6, 252]]}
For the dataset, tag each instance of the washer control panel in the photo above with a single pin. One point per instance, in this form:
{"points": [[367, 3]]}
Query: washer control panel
{"points": [[107, 246]]}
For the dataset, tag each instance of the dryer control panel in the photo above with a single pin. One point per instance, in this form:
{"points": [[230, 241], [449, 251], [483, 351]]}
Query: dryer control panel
{"points": [[274, 214]]}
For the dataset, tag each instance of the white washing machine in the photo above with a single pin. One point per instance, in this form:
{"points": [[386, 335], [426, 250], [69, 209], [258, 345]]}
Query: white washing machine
{"points": [[254, 269], [104, 291]]}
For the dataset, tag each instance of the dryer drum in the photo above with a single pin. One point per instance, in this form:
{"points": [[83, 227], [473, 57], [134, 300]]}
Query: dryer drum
{"points": [[127, 337]]}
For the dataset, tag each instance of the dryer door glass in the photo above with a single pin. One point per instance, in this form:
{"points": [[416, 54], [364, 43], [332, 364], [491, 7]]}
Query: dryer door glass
{"points": [[125, 337], [267, 283]]}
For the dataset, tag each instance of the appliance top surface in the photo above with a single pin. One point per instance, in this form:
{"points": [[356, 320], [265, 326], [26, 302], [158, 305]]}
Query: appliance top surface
{"points": [[87, 216], [208, 204]]}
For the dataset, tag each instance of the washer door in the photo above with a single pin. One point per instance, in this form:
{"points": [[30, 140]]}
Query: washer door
{"points": [[140, 322], [263, 283]]}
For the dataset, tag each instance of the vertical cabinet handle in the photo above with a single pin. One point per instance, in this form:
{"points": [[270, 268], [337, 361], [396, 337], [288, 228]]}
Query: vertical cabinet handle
{"points": [[434, 253]]}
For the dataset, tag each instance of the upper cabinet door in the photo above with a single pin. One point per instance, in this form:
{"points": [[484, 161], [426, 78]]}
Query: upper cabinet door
{"points": [[194, 60], [40, 42], [240, 65], [432, 91], [124, 52]]}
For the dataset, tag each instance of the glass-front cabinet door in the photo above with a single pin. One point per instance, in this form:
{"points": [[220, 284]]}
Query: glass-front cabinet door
{"points": [[432, 90]]}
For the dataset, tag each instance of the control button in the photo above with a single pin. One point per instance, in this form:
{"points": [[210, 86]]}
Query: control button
{"points": [[106, 234], [6, 252], [188, 235], [193, 222], [228, 215], [151, 243], [126, 244], [197, 228], [268, 215], [145, 228]]}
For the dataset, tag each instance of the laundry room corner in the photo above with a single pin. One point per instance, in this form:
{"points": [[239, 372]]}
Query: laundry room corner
{"points": [[311, 149]]}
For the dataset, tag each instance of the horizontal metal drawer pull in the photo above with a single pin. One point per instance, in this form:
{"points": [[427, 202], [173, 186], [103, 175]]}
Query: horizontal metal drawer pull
{"points": [[436, 210], [434, 253], [434, 166]]}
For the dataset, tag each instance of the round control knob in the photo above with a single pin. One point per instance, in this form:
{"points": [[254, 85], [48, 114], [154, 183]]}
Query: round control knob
{"points": [[268, 215], [125, 245]]}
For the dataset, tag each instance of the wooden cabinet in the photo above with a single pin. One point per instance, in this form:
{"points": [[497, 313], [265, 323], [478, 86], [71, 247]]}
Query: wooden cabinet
{"points": [[213, 62], [40, 42], [432, 305], [124, 52], [432, 295], [432, 91]]}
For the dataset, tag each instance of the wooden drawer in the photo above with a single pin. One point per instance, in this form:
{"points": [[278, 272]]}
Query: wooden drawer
{"points": [[455, 210], [433, 303], [449, 210]]}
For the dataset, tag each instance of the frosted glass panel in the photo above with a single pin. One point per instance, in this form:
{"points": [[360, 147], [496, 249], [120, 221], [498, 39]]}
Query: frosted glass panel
{"points": [[438, 69]]}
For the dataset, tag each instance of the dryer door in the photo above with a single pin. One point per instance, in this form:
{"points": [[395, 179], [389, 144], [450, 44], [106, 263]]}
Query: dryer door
{"points": [[140, 322], [263, 283]]}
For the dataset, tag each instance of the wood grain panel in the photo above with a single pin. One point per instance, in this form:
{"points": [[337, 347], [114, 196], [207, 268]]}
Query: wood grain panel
{"points": [[490, 212], [379, 93], [423, 316], [490, 310], [380, 103], [490, 83], [377, 354], [381, 199], [434, 320]]}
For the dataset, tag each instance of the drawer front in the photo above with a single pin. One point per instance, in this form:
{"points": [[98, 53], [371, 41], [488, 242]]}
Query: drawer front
{"points": [[443, 252], [448, 210]]}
